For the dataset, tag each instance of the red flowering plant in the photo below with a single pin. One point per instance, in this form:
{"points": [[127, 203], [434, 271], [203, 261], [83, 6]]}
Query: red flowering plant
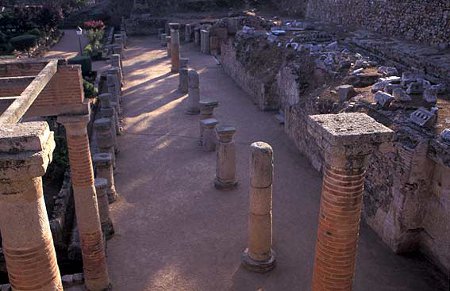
{"points": [[95, 32]]}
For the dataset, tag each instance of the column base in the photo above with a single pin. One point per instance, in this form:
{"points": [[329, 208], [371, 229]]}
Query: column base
{"points": [[224, 185], [258, 266], [108, 229], [193, 111]]}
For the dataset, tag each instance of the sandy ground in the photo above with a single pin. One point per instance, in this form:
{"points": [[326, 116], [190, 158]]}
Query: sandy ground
{"points": [[175, 231]]}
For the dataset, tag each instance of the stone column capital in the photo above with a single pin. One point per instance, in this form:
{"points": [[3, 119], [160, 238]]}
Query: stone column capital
{"points": [[174, 26], [225, 133], [347, 136], [75, 124], [25, 150]]}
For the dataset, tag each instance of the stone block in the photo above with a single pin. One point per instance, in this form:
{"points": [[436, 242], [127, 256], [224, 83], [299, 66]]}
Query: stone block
{"points": [[383, 99], [345, 92]]}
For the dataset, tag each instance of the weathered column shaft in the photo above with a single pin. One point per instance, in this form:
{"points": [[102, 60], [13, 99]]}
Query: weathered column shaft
{"points": [[347, 140], [259, 256], [187, 33], [194, 93], [197, 40], [105, 137], [108, 111], [184, 76], [101, 186], [226, 159], [86, 206], [25, 151], [175, 46]]}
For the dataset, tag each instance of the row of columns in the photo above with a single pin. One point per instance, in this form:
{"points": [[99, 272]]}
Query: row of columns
{"points": [[343, 183], [25, 152]]}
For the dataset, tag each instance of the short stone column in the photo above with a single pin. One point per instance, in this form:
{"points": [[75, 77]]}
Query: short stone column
{"points": [[204, 38], [197, 36], [207, 108], [108, 111], [169, 46], [209, 136], [259, 256], [101, 186], [25, 152], [184, 76], [206, 111], [116, 62], [105, 137], [226, 159], [187, 33], [194, 93], [104, 169], [175, 46], [347, 141], [163, 40], [113, 85], [86, 207], [115, 71]]}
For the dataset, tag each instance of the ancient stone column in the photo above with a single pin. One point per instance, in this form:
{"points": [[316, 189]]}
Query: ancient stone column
{"points": [[163, 40], [206, 111], [226, 159], [347, 141], [108, 111], [25, 152], [114, 90], [169, 46], [184, 76], [115, 71], [175, 46], [101, 186], [194, 93], [86, 207], [116, 62], [187, 33], [205, 41], [105, 137], [207, 108], [197, 36], [104, 169], [259, 256], [209, 135]]}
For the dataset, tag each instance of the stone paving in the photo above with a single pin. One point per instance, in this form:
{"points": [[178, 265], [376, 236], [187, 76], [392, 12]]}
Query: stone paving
{"points": [[175, 231]]}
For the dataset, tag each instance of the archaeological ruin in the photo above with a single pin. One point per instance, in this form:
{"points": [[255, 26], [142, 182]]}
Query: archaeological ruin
{"points": [[229, 145]]}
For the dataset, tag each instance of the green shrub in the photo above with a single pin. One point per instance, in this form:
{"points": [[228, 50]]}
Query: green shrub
{"points": [[89, 89], [24, 42], [84, 61], [35, 31]]}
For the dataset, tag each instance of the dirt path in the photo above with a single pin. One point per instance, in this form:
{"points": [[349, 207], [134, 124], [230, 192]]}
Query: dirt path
{"points": [[174, 231], [68, 46]]}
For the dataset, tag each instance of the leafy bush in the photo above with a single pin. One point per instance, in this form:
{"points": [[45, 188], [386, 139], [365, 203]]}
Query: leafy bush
{"points": [[35, 32], [24, 42], [89, 89], [84, 61]]}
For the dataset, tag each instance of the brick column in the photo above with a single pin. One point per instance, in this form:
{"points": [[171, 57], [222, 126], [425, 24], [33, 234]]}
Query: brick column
{"points": [[86, 207], [259, 256], [101, 187], [226, 159], [25, 152], [194, 93], [175, 46], [104, 169], [347, 140]]}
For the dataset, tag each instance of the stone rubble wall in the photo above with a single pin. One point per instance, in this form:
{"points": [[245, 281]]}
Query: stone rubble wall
{"points": [[425, 21]]}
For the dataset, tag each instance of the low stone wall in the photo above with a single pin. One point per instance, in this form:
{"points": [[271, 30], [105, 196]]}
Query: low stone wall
{"points": [[424, 21]]}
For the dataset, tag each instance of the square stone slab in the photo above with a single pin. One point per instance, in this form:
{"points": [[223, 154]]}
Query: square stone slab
{"points": [[21, 137], [348, 129]]}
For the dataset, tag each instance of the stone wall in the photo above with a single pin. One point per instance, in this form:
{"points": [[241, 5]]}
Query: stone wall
{"points": [[426, 21]]}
